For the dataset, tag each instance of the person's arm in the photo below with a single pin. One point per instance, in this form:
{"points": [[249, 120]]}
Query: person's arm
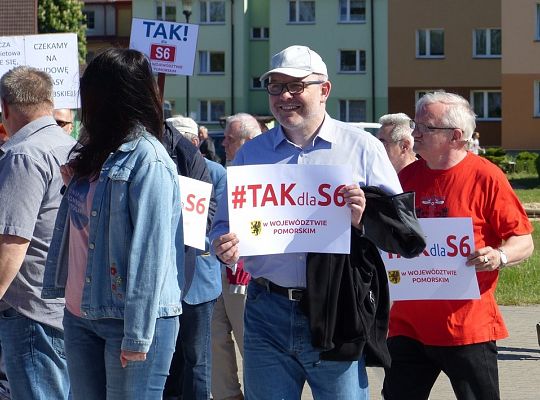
{"points": [[12, 252], [516, 248], [154, 200]]}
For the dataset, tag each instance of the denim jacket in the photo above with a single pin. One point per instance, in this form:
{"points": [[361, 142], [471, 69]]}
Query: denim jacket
{"points": [[135, 231]]}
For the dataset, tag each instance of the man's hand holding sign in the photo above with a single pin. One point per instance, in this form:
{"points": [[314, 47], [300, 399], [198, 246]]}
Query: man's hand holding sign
{"points": [[289, 208]]}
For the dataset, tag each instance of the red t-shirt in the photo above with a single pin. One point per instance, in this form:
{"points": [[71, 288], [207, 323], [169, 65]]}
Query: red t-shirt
{"points": [[473, 188]]}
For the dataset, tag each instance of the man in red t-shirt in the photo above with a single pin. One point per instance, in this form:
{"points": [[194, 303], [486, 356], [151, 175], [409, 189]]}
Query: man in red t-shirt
{"points": [[457, 337]]}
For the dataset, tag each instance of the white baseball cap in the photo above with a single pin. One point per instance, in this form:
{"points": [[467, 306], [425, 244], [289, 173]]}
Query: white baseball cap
{"points": [[183, 124], [296, 61]]}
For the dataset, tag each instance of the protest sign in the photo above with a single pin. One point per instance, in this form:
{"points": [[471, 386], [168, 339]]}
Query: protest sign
{"points": [[55, 53], [440, 271], [170, 46], [195, 197], [287, 208]]}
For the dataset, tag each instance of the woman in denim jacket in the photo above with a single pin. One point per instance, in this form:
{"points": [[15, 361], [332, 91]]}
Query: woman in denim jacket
{"points": [[114, 250]]}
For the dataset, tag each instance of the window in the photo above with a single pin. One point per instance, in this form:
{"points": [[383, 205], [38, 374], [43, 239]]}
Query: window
{"points": [[537, 98], [90, 17], [211, 62], [352, 10], [430, 43], [213, 12], [487, 43], [352, 110], [537, 22], [301, 11], [419, 93], [487, 104], [211, 110], [352, 61], [260, 33], [256, 84], [170, 10]]}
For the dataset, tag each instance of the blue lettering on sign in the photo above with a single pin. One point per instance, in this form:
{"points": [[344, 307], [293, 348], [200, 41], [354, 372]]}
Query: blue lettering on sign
{"points": [[160, 31]]}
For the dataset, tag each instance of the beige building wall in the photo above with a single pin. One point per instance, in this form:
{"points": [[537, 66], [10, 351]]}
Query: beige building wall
{"points": [[520, 70], [520, 129], [458, 18], [457, 71]]}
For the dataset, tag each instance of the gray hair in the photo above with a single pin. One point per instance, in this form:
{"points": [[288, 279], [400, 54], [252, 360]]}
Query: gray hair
{"points": [[27, 89], [249, 126], [458, 111], [401, 126]]}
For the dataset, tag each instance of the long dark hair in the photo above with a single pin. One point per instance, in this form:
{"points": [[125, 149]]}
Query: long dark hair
{"points": [[118, 92]]}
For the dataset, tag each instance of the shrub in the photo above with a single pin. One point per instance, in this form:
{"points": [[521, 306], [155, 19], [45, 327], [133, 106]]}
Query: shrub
{"points": [[497, 155], [525, 162]]}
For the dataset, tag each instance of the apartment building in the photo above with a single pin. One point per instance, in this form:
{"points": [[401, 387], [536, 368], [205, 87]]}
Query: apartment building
{"points": [[238, 37], [521, 74], [18, 17], [451, 45], [108, 24]]}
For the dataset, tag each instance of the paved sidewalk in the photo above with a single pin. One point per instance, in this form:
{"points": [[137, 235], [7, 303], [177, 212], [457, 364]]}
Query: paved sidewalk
{"points": [[519, 361]]}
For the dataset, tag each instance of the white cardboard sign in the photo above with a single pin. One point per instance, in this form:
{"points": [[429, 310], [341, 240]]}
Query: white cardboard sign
{"points": [[195, 197], [440, 271], [170, 46], [289, 208], [55, 53]]}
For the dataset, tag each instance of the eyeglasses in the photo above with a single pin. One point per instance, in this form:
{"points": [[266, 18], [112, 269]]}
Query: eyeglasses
{"points": [[61, 123], [422, 128], [275, 89]]}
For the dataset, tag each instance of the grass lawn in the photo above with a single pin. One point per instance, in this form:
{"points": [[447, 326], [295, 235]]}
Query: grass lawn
{"points": [[521, 284]]}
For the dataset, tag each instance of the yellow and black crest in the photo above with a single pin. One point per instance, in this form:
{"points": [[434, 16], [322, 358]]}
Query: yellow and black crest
{"points": [[256, 228], [394, 277]]}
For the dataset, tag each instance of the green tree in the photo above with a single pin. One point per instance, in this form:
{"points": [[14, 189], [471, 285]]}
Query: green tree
{"points": [[58, 16]]}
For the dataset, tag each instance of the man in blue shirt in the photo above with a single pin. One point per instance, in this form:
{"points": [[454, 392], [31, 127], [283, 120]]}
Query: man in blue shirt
{"points": [[31, 330], [278, 355]]}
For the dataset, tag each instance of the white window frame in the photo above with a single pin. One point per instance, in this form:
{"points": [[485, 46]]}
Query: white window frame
{"points": [[428, 43], [209, 106], [347, 109], [169, 4], [208, 62], [488, 43], [536, 111], [297, 6], [484, 116], [205, 18], [256, 84], [347, 18], [358, 67], [264, 33]]}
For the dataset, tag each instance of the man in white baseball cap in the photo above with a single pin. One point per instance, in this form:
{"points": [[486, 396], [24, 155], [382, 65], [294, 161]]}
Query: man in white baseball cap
{"points": [[279, 354]]}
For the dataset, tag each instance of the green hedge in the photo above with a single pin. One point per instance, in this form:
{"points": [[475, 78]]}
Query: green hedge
{"points": [[523, 162]]}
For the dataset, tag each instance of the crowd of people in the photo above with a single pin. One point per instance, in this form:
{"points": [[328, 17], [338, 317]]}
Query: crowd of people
{"points": [[100, 298]]}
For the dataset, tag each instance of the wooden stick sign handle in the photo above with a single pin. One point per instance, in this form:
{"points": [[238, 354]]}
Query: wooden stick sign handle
{"points": [[161, 84]]}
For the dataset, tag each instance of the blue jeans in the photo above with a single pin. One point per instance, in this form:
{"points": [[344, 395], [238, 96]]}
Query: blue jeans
{"points": [[93, 357], [279, 357], [191, 369], [34, 358]]}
